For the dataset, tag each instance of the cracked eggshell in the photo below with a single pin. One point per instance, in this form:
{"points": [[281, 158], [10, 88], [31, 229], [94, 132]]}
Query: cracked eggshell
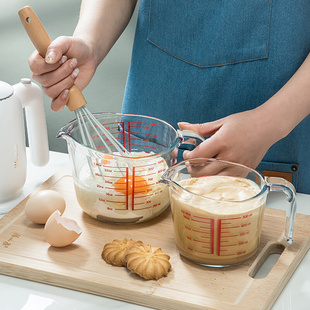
{"points": [[41, 205], [61, 231]]}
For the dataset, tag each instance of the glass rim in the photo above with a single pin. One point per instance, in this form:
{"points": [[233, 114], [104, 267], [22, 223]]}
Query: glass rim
{"points": [[261, 192]]}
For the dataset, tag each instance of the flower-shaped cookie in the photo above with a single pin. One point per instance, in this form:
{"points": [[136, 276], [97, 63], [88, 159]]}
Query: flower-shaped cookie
{"points": [[114, 253], [148, 262]]}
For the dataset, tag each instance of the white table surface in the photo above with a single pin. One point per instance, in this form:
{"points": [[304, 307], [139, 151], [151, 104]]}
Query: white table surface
{"points": [[19, 294]]}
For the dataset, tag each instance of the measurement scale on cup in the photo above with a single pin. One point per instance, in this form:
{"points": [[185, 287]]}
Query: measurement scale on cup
{"points": [[133, 142], [229, 236], [131, 188], [127, 186]]}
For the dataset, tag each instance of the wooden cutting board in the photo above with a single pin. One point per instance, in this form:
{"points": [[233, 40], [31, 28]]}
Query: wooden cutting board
{"points": [[25, 254]]}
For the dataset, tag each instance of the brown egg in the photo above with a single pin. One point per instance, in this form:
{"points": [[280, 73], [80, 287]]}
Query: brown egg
{"points": [[41, 205], [60, 231]]}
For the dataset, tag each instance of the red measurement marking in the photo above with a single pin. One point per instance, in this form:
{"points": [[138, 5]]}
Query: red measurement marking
{"points": [[129, 136], [247, 215], [206, 237], [205, 227], [142, 123], [231, 219], [133, 188], [226, 246], [111, 169], [123, 126], [199, 221], [212, 236], [201, 252], [142, 167], [246, 224], [142, 145], [186, 212], [204, 218], [199, 241], [231, 236], [200, 231], [219, 238], [139, 133], [138, 209], [231, 227], [147, 195], [149, 174]]}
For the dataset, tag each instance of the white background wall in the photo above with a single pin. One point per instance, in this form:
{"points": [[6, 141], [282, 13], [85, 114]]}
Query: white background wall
{"points": [[59, 17]]}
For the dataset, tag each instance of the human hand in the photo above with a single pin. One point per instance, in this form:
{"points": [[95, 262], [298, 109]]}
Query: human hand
{"points": [[68, 60], [242, 138]]}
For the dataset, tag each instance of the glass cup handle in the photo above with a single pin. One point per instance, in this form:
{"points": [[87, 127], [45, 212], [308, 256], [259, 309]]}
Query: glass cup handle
{"points": [[190, 133], [186, 146], [276, 184]]}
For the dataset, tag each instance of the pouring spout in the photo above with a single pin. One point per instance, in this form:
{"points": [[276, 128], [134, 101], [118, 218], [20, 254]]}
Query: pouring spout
{"points": [[164, 181], [166, 177], [65, 131]]}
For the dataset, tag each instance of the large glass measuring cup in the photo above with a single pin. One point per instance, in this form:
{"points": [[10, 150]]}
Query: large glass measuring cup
{"points": [[218, 208], [123, 189]]}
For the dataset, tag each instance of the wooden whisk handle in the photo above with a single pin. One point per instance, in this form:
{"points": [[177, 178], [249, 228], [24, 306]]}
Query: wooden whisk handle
{"points": [[40, 39]]}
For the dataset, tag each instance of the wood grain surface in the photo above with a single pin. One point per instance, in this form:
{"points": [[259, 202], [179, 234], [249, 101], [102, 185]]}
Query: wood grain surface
{"points": [[25, 254]]}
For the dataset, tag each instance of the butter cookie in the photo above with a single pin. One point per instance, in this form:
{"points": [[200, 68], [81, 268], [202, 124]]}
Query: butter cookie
{"points": [[114, 253], [147, 261]]}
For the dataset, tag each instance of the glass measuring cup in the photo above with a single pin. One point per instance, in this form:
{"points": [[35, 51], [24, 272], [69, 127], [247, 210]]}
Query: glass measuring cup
{"points": [[218, 208], [123, 189]]}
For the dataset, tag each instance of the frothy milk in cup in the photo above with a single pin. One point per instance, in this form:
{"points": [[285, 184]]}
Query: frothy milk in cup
{"points": [[217, 219]]}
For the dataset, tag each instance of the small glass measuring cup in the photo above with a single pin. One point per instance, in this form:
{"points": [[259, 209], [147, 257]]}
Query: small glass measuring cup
{"points": [[218, 208], [123, 189]]}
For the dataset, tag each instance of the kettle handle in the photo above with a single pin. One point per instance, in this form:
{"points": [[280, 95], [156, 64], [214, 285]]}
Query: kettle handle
{"points": [[40, 39], [31, 98]]}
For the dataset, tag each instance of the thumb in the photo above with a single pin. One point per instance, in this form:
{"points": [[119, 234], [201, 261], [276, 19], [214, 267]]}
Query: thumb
{"points": [[204, 129], [57, 49], [207, 149]]}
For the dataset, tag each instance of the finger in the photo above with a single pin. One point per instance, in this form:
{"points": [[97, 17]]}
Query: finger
{"points": [[207, 149], [199, 167], [59, 102], [55, 90], [205, 129], [206, 167], [191, 141], [53, 77], [38, 65], [57, 49]]}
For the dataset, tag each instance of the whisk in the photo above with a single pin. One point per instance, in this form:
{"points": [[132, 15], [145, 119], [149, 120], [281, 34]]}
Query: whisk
{"points": [[77, 102]]}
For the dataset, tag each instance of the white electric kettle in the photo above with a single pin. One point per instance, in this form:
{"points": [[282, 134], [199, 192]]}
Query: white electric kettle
{"points": [[13, 164]]}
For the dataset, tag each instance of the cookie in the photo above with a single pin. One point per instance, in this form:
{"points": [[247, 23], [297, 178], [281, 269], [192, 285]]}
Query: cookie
{"points": [[148, 262], [114, 253]]}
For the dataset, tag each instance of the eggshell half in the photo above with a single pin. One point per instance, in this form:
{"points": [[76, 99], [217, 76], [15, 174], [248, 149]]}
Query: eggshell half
{"points": [[41, 205], [61, 231]]}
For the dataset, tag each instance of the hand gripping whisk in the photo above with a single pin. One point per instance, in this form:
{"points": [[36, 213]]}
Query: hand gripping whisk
{"points": [[77, 102]]}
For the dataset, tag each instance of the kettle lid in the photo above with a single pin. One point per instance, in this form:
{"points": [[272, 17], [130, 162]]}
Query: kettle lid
{"points": [[6, 90]]}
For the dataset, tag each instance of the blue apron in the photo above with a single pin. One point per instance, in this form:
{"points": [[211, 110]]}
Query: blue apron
{"points": [[201, 60]]}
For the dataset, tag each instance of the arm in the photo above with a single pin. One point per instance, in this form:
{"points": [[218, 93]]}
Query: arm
{"points": [[101, 23], [74, 59], [246, 137]]}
